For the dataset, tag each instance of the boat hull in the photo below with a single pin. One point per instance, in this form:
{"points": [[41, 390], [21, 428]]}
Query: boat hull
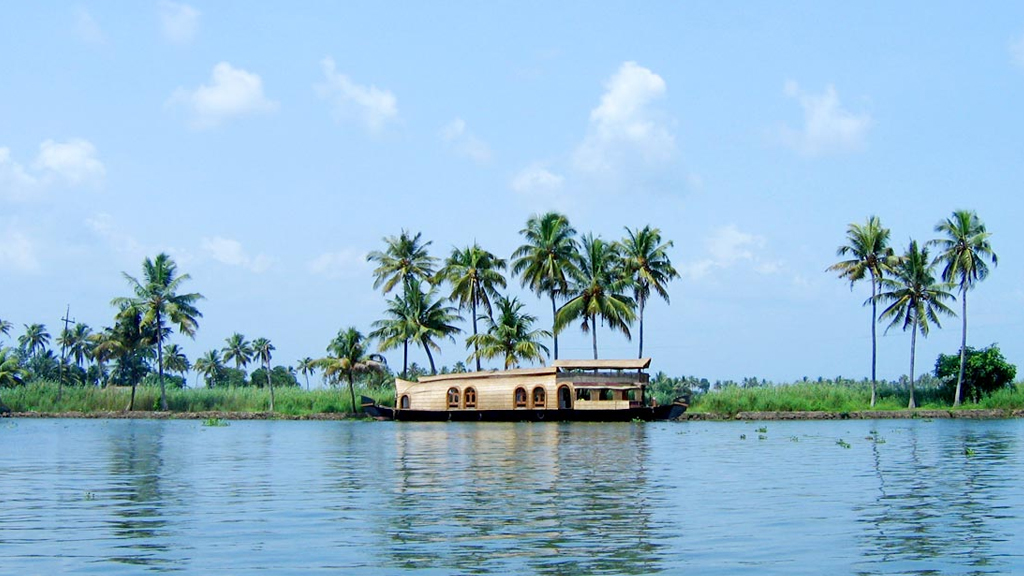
{"points": [[646, 414]]}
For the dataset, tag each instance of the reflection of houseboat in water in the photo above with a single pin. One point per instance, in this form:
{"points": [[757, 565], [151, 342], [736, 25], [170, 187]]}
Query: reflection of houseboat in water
{"points": [[585, 390]]}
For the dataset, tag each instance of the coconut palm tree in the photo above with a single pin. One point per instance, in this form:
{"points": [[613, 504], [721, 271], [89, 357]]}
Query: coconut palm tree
{"points": [[157, 298], [239, 350], [130, 343], [915, 299], [647, 267], [262, 348], [347, 357], [510, 335], [475, 276], [77, 342], [547, 260], [306, 366], [209, 365], [35, 339], [964, 251], [11, 371], [5, 327], [405, 261], [176, 362], [598, 290], [869, 255], [397, 327]]}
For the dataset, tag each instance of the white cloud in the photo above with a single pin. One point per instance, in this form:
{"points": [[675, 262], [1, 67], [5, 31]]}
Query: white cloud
{"points": [[347, 262], [178, 22], [728, 246], [17, 252], [231, 92], [1017, 51], [369, 105], [828, 127], [536, 180], [102, 225], [73, 161], [464, 142], [88, 29], [230, 252], [626, 126]]}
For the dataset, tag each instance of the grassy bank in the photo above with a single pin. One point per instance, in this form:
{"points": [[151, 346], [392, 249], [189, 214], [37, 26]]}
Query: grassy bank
{"points": [[41, 396], [807, 397]]}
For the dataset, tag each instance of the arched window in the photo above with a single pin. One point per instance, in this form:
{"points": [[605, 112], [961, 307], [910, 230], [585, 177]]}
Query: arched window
{"points": [[470, 398], [538, 397], [404, 404], [453, 397], [520, 397]]}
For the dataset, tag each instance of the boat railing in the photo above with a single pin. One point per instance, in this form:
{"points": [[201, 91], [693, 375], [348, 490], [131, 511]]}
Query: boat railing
{"points": [[604, 378]]}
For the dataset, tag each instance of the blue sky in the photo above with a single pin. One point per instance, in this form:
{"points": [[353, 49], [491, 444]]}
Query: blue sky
{"points": [[269, 148]]}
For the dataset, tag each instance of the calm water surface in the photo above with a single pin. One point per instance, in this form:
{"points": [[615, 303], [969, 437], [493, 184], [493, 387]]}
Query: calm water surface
{"points": [[124, 496]]}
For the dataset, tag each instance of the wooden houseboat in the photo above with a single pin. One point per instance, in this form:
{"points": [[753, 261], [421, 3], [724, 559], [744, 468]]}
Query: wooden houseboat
{"points": [[582, 390]]}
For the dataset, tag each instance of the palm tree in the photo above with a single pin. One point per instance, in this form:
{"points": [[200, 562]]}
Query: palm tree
{"points": [[347, 357], [397, 327], [510, 335], [35, 339], [598, 290], [430, 319], [475, 276], [915, 298], [405, 261], [209, 365], [964, 251], [77, 342], [11, 372], [870, 254], [648, 267], [307, 365], [130, 343], [5, 327], [157, 299], [238, 350], [547, 260], [262, 349], [176, 362]]}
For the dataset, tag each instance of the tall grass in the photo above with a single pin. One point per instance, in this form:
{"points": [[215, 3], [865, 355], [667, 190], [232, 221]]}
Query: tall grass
{"points": [[831, 397], [41, 396]]}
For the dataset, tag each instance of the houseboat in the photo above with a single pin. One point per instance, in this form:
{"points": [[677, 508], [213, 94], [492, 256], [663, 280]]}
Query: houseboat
{"points": [[568, 390]]}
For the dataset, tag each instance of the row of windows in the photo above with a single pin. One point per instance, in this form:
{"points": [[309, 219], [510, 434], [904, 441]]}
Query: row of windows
{"points": [[521, 399]]}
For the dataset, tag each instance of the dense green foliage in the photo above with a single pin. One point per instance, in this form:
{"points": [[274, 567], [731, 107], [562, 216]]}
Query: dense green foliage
{"points": [[984, 371]]}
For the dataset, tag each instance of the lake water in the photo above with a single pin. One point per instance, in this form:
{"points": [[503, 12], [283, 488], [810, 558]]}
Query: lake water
{"points": [[280, 497]]}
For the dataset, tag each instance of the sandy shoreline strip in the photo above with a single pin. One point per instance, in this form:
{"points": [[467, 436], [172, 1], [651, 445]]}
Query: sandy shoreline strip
{"points": [[861, 415]]}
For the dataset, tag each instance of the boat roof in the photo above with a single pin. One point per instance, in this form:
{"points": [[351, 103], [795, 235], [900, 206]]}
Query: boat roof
{"points": [[632, 364]]}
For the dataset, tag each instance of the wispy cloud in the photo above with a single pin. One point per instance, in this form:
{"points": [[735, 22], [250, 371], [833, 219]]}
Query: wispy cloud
{"points": [[73, 162], [232, 92], [828, 127], [347, 262], [88, 29], [465, 143], [536, 179], [230, 252], [727, 247], [1017, 51], [17, 251], [370, 106], [178, 22], [626, 126]]}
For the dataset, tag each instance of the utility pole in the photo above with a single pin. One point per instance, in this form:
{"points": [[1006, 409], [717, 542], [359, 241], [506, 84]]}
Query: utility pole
{"points": [[63, 349]]}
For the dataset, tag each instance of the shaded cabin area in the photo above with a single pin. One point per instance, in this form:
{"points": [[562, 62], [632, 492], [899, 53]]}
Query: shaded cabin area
{"points": [[565, 385]]}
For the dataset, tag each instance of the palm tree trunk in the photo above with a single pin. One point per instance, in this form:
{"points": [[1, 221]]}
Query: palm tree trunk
{"points": [[160, 361], [641, 353], [874, 341], [131, 401], [405, 358], [270, 384], [913, 347], [306, 374], [554, 333], [352, 392], [593, 333], [476, 351], [430, 357], [963, 353]]}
